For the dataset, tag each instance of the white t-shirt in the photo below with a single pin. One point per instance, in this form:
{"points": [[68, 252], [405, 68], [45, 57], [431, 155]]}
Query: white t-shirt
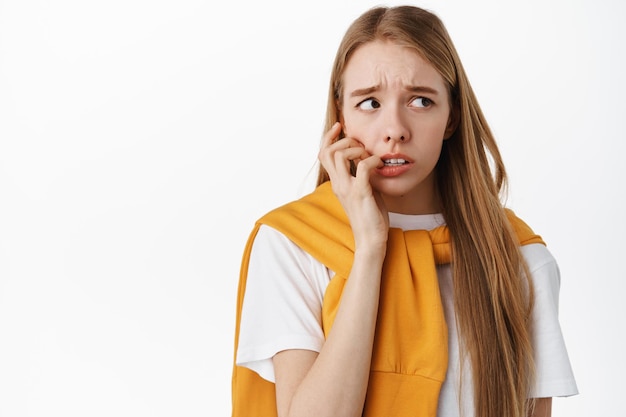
{"points": [[282, 310]]}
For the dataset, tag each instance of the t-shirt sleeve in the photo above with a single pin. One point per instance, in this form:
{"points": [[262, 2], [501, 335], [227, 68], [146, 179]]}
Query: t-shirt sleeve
{"points": [[554, 376], [282, 304]]}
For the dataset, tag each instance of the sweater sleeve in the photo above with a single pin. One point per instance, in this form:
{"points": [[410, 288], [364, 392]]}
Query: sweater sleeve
{"points": [[554, 376], [282, 304]]}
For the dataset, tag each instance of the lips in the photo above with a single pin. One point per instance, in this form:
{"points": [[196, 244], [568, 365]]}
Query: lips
{"points": [[394, 162], [395, 159], [394, 165]]}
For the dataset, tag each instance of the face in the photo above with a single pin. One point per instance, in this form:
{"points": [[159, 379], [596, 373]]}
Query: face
{"points": [[396, 104]]}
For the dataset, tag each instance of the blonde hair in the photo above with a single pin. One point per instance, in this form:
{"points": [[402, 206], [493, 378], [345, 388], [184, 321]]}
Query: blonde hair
{"points": [[493, 291]]}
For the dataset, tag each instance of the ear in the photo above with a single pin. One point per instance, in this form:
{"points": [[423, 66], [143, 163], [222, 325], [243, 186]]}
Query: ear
{"points": [[338, 111], [453, 122]]}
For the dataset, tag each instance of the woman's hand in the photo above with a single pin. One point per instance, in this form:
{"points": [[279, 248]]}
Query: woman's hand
{"points": [[334, 382], [363, 205]]}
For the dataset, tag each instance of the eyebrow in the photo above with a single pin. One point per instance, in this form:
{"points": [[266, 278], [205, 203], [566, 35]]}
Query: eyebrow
{"points": [[413, 88], [422, 89], [364, 91]]}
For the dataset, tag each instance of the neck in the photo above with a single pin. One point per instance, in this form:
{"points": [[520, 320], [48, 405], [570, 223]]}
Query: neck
{"points": [[421, 200], [408, 205]]}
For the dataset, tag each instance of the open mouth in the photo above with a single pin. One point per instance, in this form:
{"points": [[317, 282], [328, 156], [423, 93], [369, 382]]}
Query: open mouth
{"points": [[395, 162]]}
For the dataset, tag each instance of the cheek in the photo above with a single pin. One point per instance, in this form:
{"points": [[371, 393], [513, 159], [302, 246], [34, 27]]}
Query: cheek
{"points": [[357, 132], [435, 128], [352, 125]]}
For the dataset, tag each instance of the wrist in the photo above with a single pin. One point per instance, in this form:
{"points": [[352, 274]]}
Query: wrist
{"points": [[371, 253]]}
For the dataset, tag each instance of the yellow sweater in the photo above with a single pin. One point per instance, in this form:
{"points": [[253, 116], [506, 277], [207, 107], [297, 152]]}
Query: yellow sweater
{"points": [[410, 356]]}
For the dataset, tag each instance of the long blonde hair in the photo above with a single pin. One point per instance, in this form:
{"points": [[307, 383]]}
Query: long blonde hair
{"points": [[493, 291]]}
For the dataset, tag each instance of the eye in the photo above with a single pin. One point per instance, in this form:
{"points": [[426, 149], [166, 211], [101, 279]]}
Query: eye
{"points": [[368, 104], [421, 102]]}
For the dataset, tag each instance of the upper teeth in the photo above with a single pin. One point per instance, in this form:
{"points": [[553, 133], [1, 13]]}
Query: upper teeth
{"points": [[394, 161]]}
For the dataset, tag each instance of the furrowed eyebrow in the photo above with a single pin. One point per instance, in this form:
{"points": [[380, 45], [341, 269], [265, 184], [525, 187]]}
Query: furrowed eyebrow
{"points": [[422, 89], [364, 91], [412, 88]]}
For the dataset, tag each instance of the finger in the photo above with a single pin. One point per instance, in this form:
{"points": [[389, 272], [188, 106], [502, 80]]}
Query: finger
{"points": [[339, 154], [343, 143], [331, 136], [356, 149], [325, 152], [365, 168], [337, 163], [342, 157]]}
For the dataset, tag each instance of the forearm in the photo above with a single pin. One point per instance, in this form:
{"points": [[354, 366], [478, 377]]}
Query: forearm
{"points": [[336, 383]]}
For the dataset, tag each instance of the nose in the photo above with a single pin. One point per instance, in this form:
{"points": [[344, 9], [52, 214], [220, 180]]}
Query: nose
{"points": [[395, 127], [401, 138]]}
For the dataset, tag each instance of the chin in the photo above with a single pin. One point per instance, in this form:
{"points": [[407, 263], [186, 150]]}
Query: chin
{"points": [[395, 191], [406, 191]]}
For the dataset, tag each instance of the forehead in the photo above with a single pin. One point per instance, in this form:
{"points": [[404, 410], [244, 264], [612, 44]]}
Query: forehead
{"points": [[387, 64]]}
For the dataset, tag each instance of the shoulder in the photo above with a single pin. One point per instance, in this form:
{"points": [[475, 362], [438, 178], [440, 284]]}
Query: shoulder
{"points": [[545, 275], [271, 244], [314, 209], [318, 225], [542, 266], [274, 255], [538, 256]]}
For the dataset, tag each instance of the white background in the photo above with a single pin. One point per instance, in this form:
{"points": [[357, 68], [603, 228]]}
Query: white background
{"points": [[139, 141]]}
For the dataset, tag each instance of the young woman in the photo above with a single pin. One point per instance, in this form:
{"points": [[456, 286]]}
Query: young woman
{"points": [[400, 286]]}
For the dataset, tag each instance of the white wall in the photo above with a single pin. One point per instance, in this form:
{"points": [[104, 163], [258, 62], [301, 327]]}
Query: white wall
{"points": [[139, 140]]}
